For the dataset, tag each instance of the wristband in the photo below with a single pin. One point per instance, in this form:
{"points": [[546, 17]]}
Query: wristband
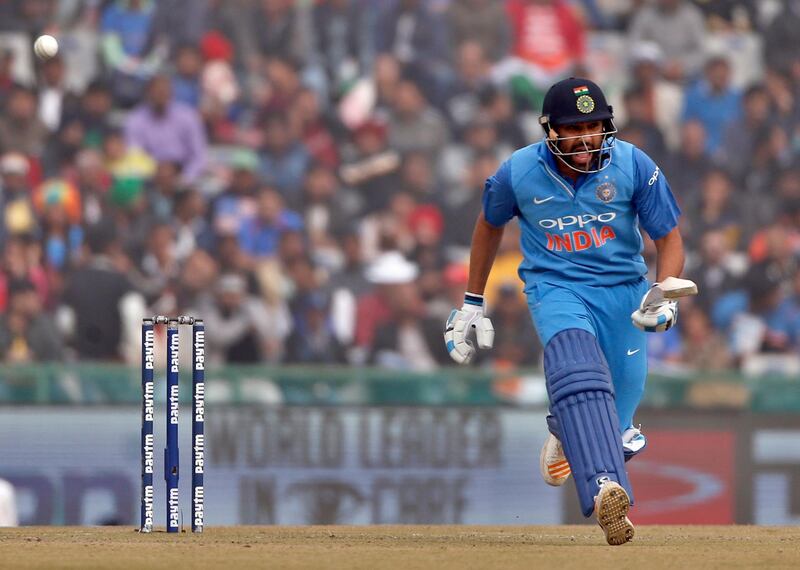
{"points": [[473, 299]]}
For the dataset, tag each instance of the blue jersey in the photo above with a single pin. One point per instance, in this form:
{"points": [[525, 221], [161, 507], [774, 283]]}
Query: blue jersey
{"points": [[586, 232]]}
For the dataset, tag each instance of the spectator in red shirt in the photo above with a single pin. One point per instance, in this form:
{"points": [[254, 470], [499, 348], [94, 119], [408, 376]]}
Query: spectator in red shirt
{"points": [[548, 41]]}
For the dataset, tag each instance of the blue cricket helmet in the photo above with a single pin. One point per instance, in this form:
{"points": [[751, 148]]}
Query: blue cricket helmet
{"points": [[578, 100], [575, 100]]}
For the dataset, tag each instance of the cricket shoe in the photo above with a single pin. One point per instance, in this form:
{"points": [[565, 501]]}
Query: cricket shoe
{"points": [[611, 506], [633, 442], [553, 463]]}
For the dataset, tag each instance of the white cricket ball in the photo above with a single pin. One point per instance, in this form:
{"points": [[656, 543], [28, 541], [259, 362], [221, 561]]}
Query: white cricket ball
{"points": [[45, 47]]}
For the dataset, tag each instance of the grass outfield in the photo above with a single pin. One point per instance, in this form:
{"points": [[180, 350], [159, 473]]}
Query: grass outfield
{"points": [[402, 547]]}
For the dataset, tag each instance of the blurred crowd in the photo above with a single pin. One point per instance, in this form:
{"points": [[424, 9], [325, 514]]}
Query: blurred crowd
{"points": [[305, 175]]}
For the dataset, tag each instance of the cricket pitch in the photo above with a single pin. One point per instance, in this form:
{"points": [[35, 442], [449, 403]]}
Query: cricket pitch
{"points": [[401, 547]]}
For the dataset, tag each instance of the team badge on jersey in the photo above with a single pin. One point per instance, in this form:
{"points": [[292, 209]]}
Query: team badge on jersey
{"points": [[606, 192], [585, 104]]}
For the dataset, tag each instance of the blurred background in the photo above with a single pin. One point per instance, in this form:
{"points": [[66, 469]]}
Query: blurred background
{"points": [[305, 176]]}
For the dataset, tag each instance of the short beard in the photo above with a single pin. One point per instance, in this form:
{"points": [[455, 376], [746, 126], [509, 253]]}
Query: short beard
{"points": [[594, 156]]}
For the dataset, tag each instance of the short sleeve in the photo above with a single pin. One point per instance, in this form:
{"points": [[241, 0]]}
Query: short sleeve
{"points": [[499, 202], [652, 198]]}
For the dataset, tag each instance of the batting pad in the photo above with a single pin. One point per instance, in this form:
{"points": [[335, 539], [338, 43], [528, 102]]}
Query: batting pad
{"points": [[582, 403]]}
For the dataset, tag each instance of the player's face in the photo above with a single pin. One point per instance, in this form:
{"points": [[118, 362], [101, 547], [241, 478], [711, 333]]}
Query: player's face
{"points": [[586, 136]]}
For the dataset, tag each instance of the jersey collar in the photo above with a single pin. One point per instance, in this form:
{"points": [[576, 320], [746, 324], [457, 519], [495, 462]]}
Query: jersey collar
{"points": [[550, 160]]}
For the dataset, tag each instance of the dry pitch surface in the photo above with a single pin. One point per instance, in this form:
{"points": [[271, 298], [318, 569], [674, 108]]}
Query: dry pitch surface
{"points": [[404, 547]]}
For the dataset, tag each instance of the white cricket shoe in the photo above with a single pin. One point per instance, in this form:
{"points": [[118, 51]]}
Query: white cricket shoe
{"points": [[633, 442], [611, 506], [553, 463]]}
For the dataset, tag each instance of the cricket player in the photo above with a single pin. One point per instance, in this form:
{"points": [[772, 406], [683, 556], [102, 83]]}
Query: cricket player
{"points": [[580, 195]]}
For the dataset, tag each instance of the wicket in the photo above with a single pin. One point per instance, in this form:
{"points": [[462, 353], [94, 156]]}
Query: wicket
{"points": [[171, 454]]}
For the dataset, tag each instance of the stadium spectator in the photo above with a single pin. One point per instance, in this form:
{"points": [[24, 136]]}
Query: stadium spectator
{"points": [[412, 339], [58, 206], [314, 128], [418, 178], [498, 105], [27, 333], [416, 35], [93, 114], [760, 328], [128, 207], [688, 166], [164, 186], [283, 85], [229, 31], [15, 199], [746, 142], [479, 169], [55, 99], [99, 300], [703, 347], [426, 226], [313, 340], [181, 22], [781, 44], [717, 269], [371, 167], [665, 351], [777, 243], [128, 47], [662, 99], [232, 259], [188, 69], [726, 15], [237, 202], [777, 202], [516, 344], [325, 208], [260, 235], [278, 31], [7, 80], [192, 228], [479, 138], [198, 275], [241, 327], [451, 288], [414, 125], [713, 102], [284, 159], [640, 127], [483, 22], [678, 28], [386, 74], [346, 286], [168, 130], [126, 161], [386, 274], [158, 267], [472, 76], [548, 42], [21, 130], [20, 263], [93, 181], [714, 209], [341, 42]]}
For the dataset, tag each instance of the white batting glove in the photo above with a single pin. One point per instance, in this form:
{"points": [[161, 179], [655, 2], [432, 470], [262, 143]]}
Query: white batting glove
{"points": [[459, 326], [655, 313]]}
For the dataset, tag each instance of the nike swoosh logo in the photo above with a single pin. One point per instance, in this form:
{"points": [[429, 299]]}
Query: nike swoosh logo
{"points": [[632, 352], [543, 200]]}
